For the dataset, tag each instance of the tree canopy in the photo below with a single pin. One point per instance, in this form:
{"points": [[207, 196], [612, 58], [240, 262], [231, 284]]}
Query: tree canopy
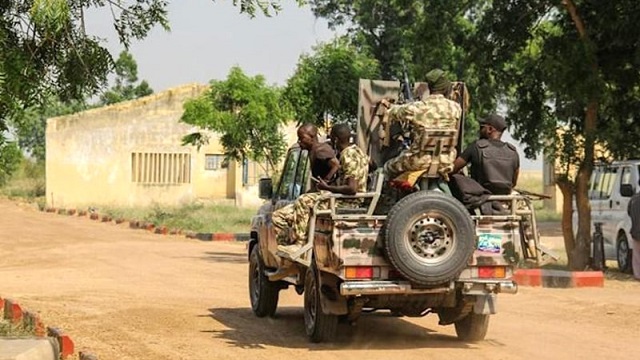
{"points": [[46, 53], [422, 34], [125, 87], [326, 82], [246, 112], [569, 73]]}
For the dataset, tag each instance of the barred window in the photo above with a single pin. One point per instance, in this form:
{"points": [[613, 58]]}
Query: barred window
{"points": [[160, 168], [214, 162]]}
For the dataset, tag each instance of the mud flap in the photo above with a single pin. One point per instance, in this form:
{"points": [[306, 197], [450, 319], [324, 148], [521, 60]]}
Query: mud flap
{"points": [[485, 304], [330, 299]]}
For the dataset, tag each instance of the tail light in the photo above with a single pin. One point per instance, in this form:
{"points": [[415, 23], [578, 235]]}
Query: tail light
{"points": [[361, 272], [491, 272]]}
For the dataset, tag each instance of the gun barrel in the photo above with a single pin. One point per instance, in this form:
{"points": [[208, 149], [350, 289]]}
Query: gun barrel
{"points": [[408, 94]]}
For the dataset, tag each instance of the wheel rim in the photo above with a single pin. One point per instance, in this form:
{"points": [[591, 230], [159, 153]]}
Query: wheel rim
{"points": [[310, 302], [431, 238], [623, 254], [254, 281]]}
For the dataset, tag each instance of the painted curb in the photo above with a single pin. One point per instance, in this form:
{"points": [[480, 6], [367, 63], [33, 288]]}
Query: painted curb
{"points": [[558, 278], [32, 323], [160, 230]]}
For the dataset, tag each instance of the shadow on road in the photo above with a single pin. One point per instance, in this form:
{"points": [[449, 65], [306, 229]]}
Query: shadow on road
{"points": [[373, 331]]}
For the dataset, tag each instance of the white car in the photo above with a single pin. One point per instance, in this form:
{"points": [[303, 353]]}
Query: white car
{"points": [[610, 188]]}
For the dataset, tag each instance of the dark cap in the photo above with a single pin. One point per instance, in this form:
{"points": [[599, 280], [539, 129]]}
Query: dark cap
{"points": [[496, 121]]}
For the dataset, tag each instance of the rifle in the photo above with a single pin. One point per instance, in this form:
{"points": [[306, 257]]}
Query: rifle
{"points": [[405, 86], [532, 194], [396, 131]]}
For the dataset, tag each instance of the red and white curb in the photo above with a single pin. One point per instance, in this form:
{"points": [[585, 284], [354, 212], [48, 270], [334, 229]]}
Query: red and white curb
{"points": [[31, 322]]}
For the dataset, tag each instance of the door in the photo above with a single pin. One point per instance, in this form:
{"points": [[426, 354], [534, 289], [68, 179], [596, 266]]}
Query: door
{"points": [[604, 201]]}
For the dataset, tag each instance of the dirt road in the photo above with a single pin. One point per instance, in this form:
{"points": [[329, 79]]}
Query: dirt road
{"points": [[128, 294]]}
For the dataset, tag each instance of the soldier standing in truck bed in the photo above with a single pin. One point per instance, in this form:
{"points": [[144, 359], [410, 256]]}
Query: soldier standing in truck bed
{"points": [[435, 111]]}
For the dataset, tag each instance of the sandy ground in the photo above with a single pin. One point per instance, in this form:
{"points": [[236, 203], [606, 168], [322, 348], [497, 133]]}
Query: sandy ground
{"points": [[128, 294]]}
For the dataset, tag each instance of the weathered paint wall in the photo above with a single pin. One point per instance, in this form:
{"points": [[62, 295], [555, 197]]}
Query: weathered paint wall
{"points": [[90, 162], [89, 154]]}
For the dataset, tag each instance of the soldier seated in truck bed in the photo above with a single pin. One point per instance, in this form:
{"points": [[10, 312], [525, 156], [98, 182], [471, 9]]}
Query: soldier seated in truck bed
{"points": [[352, 178]]}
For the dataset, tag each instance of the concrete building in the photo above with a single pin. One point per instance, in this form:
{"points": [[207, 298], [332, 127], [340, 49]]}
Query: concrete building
{"points": [[130, 154]]}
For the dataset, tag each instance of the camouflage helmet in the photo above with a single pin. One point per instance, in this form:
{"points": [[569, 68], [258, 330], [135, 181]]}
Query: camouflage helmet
{"points": [[438, 80]]}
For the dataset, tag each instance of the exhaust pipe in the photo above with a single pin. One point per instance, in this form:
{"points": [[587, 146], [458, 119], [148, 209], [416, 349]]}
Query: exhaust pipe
{"points": [[508, 287]]}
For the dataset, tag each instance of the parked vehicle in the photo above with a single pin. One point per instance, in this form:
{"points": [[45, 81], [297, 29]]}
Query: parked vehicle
{"points": [[610, 188]]}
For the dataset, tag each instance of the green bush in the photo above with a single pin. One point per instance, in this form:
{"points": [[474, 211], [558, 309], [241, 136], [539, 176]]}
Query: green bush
{"points": [[27, 181]]}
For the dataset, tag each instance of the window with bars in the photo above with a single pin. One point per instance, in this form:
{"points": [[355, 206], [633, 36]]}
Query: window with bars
{"points": [[160, 168]]}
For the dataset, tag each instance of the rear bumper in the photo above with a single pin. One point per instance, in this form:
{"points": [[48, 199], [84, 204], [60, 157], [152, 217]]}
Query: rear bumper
{"points": [[387, 288], [469, 287]]}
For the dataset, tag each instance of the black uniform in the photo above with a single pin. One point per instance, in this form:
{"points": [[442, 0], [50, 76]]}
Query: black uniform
{"points": [[493, 164]]}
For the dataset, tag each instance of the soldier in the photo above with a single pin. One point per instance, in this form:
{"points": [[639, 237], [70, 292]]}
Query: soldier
{"points": [[633, 209], [352, 178], [324, 165], [495, 164], [433, 112]]}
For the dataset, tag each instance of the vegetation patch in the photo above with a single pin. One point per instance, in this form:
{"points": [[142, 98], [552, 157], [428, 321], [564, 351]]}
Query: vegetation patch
{"points": [[7, 329], [198, 217]]}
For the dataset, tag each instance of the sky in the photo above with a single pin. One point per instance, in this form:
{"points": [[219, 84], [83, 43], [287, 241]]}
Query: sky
{"points": [[208, 38]]}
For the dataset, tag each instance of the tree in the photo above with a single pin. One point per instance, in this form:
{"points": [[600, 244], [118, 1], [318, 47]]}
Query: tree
{"points": [[568, 70], [10, 157], [422, 34], [326, 82], [125, 88], [29, 126], [46, 53], [246, 112]]}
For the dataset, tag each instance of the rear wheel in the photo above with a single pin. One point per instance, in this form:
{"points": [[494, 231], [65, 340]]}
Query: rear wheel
{"points": [[429, 238], [472, 327], [262, 292], [623, 253], [320, 327]]}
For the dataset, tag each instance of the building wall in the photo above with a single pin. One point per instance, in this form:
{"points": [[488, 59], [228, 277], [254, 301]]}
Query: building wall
{"points": [[90, 155], [130, 154]]}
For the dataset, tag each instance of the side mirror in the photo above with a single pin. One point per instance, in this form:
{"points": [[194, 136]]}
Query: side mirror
{"points": [[265, 188], [626, 190]]}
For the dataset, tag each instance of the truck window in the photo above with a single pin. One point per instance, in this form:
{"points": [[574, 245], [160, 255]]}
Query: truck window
{"points": [[594, 183], [287, 180], [302, 173], [607, 181], [625, 177]]}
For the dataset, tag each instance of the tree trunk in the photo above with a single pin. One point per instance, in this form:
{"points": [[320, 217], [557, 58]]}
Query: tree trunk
{"points": [[566, 187], [580, 255]]}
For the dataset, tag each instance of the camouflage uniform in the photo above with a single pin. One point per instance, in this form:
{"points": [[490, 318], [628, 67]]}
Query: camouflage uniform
{"points": [[353, 164], [434, 112]]}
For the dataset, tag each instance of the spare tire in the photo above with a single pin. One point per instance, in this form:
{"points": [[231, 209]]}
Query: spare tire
{"points": [[429, 237]]}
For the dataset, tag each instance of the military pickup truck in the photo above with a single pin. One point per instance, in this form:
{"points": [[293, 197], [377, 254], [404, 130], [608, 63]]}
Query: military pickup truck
{"points": [[424, 254]]}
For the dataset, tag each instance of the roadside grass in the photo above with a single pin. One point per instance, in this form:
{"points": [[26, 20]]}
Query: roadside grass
{"points": [[27, 184], [9, 330], [196, 217]]}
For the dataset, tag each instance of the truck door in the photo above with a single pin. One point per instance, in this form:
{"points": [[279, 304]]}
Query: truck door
{"points": [[609, 182], [619, 218]]}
